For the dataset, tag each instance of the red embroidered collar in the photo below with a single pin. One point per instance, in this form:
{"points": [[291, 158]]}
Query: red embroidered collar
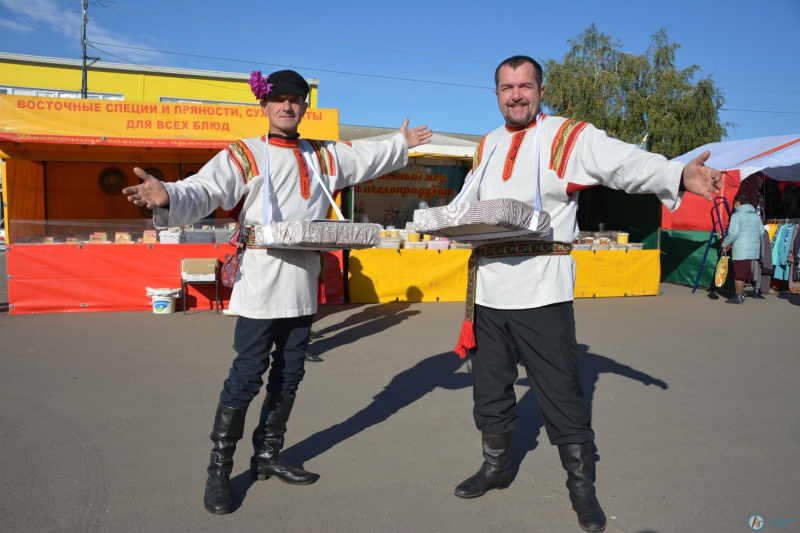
{"points": [[529, 125], [282, 143]]}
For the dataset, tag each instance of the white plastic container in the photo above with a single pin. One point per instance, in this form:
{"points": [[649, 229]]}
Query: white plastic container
{"points": [[390, 243], [635, 246], [408, 245], [438, 245], [163, 305], [581, 247], [169, 237], [163, 300]]}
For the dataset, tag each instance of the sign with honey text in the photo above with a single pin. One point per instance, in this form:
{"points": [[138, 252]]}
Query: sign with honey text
{"points": [[158, 125], [391, 199]]}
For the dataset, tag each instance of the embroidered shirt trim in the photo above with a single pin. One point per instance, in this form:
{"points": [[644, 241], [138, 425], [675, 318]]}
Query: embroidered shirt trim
{"points": [[305, 185], [242, 158], [326, 161], [476, 159], [283, 143], [563, 145], [513, 151]]}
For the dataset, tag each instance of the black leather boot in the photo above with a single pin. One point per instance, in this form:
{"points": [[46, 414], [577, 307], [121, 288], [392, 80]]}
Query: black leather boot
{"points": [[495, 473], [228, 429], [268, 442], [577, 461], [311, 358]]}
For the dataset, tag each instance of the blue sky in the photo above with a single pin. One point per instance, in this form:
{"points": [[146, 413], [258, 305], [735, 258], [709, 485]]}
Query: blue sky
{"points": [[752, 49]]}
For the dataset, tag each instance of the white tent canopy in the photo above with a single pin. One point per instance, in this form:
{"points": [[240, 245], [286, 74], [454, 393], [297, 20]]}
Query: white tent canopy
{"points": [[776, 157], [440, 146]]}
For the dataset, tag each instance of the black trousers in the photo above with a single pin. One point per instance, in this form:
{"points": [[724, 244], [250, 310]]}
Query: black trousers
{"points": [[253, 341], [544, 340]]}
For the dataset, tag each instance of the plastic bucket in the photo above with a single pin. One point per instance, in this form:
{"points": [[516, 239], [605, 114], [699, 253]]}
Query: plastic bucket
{"points": [[622, 237], [163, 305]]}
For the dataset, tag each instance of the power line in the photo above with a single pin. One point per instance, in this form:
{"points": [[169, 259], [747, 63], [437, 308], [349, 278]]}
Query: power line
{"points": [[256, 62], [160, 71], [206, 34], [356, 74]]}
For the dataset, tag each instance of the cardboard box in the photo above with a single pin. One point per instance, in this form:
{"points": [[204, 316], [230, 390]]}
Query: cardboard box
{"points": [[199, 269], [150, 237], [122, 238], [98, 238]]}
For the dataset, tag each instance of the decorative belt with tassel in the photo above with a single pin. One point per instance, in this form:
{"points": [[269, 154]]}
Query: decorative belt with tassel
{"points": [[466, 340]]}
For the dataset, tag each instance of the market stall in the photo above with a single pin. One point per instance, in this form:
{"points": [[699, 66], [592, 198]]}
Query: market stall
{"points": [[74, 244], [768, 166]]}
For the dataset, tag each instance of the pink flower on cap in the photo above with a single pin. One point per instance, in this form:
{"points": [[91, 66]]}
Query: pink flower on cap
{"points": [[258, 84]]}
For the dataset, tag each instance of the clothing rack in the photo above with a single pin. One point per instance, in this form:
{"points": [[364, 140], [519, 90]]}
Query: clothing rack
{"points": [[783, 221]]}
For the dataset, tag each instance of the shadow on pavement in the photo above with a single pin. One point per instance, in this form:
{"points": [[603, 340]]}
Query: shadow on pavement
{"points": [[792, 298], [438, 371], [369, 321], [591, 365], [441, 371]]}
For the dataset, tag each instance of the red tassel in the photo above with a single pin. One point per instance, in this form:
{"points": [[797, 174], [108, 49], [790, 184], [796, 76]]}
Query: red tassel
{"points": [[466, 341], [321, 293]]}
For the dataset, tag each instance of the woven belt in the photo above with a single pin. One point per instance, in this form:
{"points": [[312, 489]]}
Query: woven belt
{"points": [[466, 340]]}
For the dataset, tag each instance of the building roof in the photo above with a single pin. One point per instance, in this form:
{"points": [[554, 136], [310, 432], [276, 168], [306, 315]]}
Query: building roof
{"points": [[349, 132], [122, 67]]}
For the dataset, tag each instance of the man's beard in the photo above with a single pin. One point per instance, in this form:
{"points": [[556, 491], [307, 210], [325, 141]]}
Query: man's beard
{"points": [[514, 123]]}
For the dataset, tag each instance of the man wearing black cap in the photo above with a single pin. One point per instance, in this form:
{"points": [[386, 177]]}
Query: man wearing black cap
{"points": [[275, 293]]}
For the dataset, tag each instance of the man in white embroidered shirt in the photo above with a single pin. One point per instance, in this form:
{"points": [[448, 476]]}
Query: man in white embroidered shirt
{"points": [[523, 305], [275, 293]]}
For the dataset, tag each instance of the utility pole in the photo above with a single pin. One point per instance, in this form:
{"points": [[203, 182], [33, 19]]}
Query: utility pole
{"points": [[84, 87]]}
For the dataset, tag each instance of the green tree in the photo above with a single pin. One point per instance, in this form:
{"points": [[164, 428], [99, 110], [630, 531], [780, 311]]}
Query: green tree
{"points": [[641, 99]]}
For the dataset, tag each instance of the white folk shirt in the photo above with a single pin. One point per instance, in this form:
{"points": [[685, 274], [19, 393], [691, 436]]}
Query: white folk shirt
{"points": [[277, 283], [574, 156]]}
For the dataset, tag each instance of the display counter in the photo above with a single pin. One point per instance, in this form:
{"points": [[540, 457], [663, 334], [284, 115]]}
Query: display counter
{"points": [[441, 275], [87, 277]]}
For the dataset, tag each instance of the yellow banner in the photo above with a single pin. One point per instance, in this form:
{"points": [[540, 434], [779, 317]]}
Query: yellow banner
{"points": [[430, 276], [158, 125]]}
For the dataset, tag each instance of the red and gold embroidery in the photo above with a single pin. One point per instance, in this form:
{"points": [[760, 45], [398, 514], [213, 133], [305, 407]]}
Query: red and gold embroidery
{"points": [[513, 151], [563, 145], [242, 158], [476, 159], [284, 143], [516, 144], [325, 157], [305, 186]]}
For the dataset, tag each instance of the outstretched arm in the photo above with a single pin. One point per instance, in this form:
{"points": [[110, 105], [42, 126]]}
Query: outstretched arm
{"points": [[623, 166], [218, 184], [364, 163]]}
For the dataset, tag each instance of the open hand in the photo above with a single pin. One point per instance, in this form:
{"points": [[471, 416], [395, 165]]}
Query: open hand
{"points": [[700, 179], [416, 136], [151, 193]]}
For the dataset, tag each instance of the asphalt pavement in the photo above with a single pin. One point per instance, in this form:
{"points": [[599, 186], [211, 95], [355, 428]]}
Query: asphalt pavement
{"points": [[105, 418]]}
